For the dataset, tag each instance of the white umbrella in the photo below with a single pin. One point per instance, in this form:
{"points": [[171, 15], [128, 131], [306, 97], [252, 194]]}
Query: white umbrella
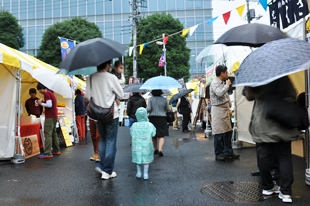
{"points": [[55, 82]]}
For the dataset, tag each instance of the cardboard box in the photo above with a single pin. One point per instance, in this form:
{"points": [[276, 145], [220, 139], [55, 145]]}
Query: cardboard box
{"points": [[25, 120], [298, 148], [30, 146], [29, 120]]}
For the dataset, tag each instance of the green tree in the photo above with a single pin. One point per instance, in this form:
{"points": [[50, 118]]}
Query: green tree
{"points": [[77, 29], [11, 33], [177, 54]]}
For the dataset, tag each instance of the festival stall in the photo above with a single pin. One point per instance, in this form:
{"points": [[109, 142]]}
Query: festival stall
{"points": [[15, 81]]}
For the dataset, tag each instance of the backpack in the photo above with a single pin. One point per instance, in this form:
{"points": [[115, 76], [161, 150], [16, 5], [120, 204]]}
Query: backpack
{"points": [[180, 109], [174, 103]]}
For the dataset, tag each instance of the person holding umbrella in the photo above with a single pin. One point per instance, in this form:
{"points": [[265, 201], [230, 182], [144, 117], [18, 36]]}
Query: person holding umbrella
{"points": [[186, 110], [104, 87], [157, 108], [278, 138], [220, 114]]}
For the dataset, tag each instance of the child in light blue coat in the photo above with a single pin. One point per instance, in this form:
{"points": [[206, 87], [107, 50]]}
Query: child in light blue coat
{"points": [[142, 148]]}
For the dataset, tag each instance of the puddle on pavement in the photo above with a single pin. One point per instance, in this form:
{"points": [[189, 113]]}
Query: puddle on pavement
{"points": [[182, 140]]}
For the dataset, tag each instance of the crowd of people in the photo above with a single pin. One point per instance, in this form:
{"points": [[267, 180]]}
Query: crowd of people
{"points": [[148, 124]]}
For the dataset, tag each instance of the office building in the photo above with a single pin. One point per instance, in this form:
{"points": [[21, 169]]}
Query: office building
{"points": [[113, 19]]}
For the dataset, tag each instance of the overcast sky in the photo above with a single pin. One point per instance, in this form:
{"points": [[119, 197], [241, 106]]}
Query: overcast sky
{"points": [[222, 6]]}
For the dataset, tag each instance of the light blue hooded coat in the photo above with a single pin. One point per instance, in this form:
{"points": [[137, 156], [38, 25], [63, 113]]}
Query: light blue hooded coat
{"points": [[142, 132]]}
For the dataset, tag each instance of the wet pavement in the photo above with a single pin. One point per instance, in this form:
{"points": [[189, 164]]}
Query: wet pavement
{"points": [[178, 178]]}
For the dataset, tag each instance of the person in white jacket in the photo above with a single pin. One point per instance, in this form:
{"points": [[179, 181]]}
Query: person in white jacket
{"points": [[104, 87]]}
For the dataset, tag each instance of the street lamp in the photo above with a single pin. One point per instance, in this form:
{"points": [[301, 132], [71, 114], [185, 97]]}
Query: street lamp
{"points": [[164, 50]]}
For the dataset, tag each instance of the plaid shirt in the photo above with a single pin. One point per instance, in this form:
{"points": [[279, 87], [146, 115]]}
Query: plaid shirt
{"points": [[218, 92]]}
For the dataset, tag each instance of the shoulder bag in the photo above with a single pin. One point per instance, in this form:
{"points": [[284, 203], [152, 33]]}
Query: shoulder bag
{"points": [[97, 112], [170, 116], [288, 114]]}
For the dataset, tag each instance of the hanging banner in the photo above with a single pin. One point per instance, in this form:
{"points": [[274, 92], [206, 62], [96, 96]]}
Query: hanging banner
{"points": [[66, 46], [274, 14], [300, 9], [162, 60]]}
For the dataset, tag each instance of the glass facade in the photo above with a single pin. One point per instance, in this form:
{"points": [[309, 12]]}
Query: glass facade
{"points": [[112, 17]]}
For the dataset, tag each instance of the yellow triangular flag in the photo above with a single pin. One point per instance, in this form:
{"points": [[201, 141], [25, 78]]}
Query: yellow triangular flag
{"points": [[184, 32], [240, 10], [141, 48], [235, 66]]}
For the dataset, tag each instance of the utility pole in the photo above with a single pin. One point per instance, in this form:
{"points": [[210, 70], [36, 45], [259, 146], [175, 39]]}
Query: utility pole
{"points": [[135, 17], [251, 12], [248, 11], [134, 28]]}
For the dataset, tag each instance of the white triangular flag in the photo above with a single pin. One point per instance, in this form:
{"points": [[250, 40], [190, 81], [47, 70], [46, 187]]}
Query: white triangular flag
{"points": [[130, 50], [192, 29]]}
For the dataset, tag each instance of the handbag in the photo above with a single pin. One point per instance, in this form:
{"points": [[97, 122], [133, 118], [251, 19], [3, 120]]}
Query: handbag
{"points": [[170, 116], [286, 113], [97, 112]]}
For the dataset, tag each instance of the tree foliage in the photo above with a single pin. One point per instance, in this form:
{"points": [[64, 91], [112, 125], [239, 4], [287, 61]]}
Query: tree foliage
{"points": [[11, 33], [177, 54], [77, 29]]}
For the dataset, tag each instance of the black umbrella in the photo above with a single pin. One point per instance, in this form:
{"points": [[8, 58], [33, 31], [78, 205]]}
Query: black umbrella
{"points": [[135, 87], [86, 56], [253, 35], [180, 94]]}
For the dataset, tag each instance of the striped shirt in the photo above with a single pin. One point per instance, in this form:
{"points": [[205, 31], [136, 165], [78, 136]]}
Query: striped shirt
{"points": [[157, 106], [218, 92]]}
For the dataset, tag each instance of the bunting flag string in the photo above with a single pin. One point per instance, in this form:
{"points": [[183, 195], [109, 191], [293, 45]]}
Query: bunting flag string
{"points": [[191, 30]]}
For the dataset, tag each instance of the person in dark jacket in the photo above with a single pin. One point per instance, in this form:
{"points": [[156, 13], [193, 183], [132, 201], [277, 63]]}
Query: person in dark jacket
{"points": [[134, 102], [186, 110], [80, 113]]}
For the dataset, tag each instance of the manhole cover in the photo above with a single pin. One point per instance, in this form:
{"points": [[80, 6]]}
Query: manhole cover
{"points": [[234, 191]]}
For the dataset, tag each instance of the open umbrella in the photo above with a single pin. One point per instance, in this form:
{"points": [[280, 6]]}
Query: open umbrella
{"points": [[273, 61], [86, 56], [161, 82], [180, 94], [55, 82], [211, 53], [135, 87], [254, 35]]}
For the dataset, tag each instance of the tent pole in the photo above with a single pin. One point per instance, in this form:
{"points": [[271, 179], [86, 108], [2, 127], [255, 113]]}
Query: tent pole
{"points": [[19, 155], [307, 90]]}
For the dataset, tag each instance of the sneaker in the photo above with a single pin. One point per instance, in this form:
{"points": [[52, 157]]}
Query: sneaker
{"points": [[220, 157], [105, 176], [45, 156], [275, 189], [113, 174], [176, 129], [285, 198], [56, 153], [160, 153], [95, 157], [233, 156]]}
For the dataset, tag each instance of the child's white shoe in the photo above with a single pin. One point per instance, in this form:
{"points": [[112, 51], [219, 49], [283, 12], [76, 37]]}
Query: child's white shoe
{"points": [[146, 172], [139, 171]]}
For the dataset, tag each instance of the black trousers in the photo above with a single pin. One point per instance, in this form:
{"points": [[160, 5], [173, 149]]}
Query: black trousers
{"points": [[266, 163], [185, 121], [275, 157]]}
